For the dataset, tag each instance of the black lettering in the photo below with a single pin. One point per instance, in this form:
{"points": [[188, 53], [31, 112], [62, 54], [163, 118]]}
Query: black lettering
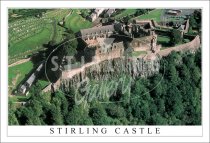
{"points": [[157, 130], [73, 131], [59, 130], [133, 130], [142, 130], [126, 131], [103, 130], [51, 130], [117, 131], [149, 132]]}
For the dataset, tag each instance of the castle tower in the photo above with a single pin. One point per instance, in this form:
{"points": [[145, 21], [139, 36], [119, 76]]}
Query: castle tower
{"points": [[154, 44]]}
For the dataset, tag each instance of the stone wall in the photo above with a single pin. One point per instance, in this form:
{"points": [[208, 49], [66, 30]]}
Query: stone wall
{"points": [[187, 26], [143, 22], [112, 69], [190, 46], [115, 51]]}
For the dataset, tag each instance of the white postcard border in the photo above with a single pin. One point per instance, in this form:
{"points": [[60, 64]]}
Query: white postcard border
{"points": [[57, 4]]}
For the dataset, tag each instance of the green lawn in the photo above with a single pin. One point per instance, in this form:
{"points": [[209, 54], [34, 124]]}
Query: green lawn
{"points": [[18, 72], [125, 13], [76, 22], [164, 41], [175, 19], [138, 53], [18, 98], [154, 14], [31, 43], [43, 83], [186, 40]]}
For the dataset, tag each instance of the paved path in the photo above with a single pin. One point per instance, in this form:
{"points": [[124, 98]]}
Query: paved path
{"points": [[19, 62]]}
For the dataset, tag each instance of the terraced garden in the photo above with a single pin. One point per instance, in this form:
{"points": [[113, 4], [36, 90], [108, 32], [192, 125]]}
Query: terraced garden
{"points": [[31, 44], [58, 14], [27, 36]]}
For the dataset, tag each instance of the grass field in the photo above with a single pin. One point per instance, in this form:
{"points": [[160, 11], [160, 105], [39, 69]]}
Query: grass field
{"points": [[19, 98], [154, 14], [35, 42], [17, 73], [31, 43], [43, 83], [138, 53], [164, 41], [125, 13], [76, 22]]}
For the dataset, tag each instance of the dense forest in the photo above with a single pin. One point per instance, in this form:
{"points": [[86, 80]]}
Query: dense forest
{"points": [[175, 100]]}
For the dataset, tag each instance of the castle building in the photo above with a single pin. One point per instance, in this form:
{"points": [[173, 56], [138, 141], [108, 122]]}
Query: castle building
{"points": [[96, 14], [97, 32], [99, 44]]}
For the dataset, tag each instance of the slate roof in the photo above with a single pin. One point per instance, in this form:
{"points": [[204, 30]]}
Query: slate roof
{"points": [[31, 79], [97, 30], [39, 68]]}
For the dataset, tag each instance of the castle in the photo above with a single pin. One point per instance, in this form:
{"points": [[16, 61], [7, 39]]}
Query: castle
{"points": [[115, 41]]}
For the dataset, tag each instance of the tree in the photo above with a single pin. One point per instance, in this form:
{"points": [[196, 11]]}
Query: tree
{"points": [[158, 119], [160, 103], [198, 58], [192, 21], [115, 111], [176, 37], [141, 11], [157, 86], [196, 75], [71, 46], [79, 116], [57, 116], [98, 115], [12, 117], [60, 101]]}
